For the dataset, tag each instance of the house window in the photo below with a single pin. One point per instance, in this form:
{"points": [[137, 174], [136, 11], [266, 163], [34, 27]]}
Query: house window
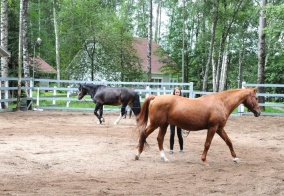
{"points": [[173, 80], [156, 80]]}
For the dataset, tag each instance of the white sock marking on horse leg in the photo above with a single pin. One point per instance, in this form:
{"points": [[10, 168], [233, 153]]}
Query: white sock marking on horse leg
{"points": [[236, 160], [137, 156], [117, 120], [163, 156]]}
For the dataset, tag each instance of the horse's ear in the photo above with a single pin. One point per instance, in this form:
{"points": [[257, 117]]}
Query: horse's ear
{"points": [[255, 88]]}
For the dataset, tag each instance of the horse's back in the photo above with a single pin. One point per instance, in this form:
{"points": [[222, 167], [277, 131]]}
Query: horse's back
{"points": [[187, 113]]}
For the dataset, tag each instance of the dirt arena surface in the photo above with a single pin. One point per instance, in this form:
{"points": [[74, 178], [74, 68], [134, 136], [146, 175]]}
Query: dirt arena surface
{"points": [[67, 153]]}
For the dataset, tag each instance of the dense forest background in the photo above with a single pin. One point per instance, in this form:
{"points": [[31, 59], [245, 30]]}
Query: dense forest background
{"points": [[214, 43]]}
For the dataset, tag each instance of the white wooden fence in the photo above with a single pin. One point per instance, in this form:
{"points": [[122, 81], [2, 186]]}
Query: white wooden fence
{"points": [[144, 89]]}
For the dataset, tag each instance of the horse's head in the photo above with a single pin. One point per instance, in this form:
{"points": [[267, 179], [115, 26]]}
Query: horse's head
{"points": [[251, 102], [82, 91]]}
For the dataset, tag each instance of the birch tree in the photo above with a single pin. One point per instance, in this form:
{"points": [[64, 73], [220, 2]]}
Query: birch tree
{"points": [[149, 49], [20, 53], [213, 30], [4, 36], [56, 43], [26, 66], [261, 49], [158, 22]]}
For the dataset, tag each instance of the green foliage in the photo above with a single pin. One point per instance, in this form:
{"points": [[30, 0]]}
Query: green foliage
{"points": [[275, 50], [96, 38], [98, 42]]}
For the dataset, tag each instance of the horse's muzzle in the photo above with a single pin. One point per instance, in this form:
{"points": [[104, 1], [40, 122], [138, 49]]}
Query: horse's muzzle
{"points": [[80, 96], [257, 113]]}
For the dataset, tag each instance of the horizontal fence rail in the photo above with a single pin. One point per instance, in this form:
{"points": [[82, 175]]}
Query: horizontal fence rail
{"points": [[61, 94]]}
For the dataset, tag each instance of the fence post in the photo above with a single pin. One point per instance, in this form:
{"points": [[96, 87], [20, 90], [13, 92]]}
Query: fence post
{"points": [[164, 89], [31, 87], [6, 93], [37, 98], [241, 107], [158, 93], [191, 95], [68, 98], [54, 95], [147, 91]]}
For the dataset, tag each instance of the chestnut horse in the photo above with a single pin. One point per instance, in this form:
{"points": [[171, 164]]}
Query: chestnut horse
{"points": [[207, 112], [103, 95]]}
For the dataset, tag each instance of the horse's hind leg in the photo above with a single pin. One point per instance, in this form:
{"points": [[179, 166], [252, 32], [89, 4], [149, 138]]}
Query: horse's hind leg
{"points": [[160, 139], [210, 134], [101, 114], [142, 139], [122, 112], [98, 107], [222, 133]]}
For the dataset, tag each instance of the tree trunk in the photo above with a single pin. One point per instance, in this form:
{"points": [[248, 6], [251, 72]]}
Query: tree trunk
{"points": [[20, 55], [149, 56], [25, 47], [157, 25], [213, 29], [240, 75], [261, 51], [223, 77], [56, 45], [183, 41], [4, 36]]}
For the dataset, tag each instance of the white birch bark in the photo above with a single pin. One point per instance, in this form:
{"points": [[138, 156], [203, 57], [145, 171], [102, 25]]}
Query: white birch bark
{"points": [[261, 50], [149, 48], [223, 77], [26, 66], [56, 45], [20, 54], [4, 36]]}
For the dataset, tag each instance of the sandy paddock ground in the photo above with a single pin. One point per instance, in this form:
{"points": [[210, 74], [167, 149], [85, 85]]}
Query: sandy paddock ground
{"points": [[67, 153]]}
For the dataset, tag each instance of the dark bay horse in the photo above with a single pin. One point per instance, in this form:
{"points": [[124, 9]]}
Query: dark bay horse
{"points": [[207, 112], [103, 95]]}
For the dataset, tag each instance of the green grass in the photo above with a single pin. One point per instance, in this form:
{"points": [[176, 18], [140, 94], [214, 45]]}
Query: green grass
{"points": [[89, 104]]}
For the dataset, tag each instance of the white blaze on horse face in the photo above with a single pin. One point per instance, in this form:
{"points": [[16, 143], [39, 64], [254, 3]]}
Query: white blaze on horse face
{"points": [[163, 156]]}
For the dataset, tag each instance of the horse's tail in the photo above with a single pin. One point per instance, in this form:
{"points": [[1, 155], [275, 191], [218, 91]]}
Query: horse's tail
{"points": [[142, 122], [144, 113], [136, 104]]}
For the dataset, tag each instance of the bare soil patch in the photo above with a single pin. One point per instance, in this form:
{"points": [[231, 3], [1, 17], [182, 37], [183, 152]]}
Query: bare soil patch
{"points": [[67, 153]]}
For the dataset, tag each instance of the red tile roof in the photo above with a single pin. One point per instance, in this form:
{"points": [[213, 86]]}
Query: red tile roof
{"points": [[41, 65], [140, 44]]}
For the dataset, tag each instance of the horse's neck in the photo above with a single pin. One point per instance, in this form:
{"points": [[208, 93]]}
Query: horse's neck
{"points": [[233, 99], [97, 88]]}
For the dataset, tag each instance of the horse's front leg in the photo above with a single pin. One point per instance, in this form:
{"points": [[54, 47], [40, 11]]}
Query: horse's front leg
{"points": [[222, 133], [210, 134], [98, 107], [160, 139]]}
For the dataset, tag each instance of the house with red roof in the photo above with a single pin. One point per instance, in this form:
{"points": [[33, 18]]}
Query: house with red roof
{"points": [[140, 44], [41, 68]]}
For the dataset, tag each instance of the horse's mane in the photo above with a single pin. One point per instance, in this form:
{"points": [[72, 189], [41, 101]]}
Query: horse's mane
{"points": [[92, 88]]}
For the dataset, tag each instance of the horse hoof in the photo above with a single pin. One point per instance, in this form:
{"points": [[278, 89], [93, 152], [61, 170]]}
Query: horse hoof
{"points": [[136, 157], [165, 159], [236, 160], [205, 163]]}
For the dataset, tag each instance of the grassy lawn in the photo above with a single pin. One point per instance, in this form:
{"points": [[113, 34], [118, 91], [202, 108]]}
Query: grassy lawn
{"points": [[89, 104]]}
